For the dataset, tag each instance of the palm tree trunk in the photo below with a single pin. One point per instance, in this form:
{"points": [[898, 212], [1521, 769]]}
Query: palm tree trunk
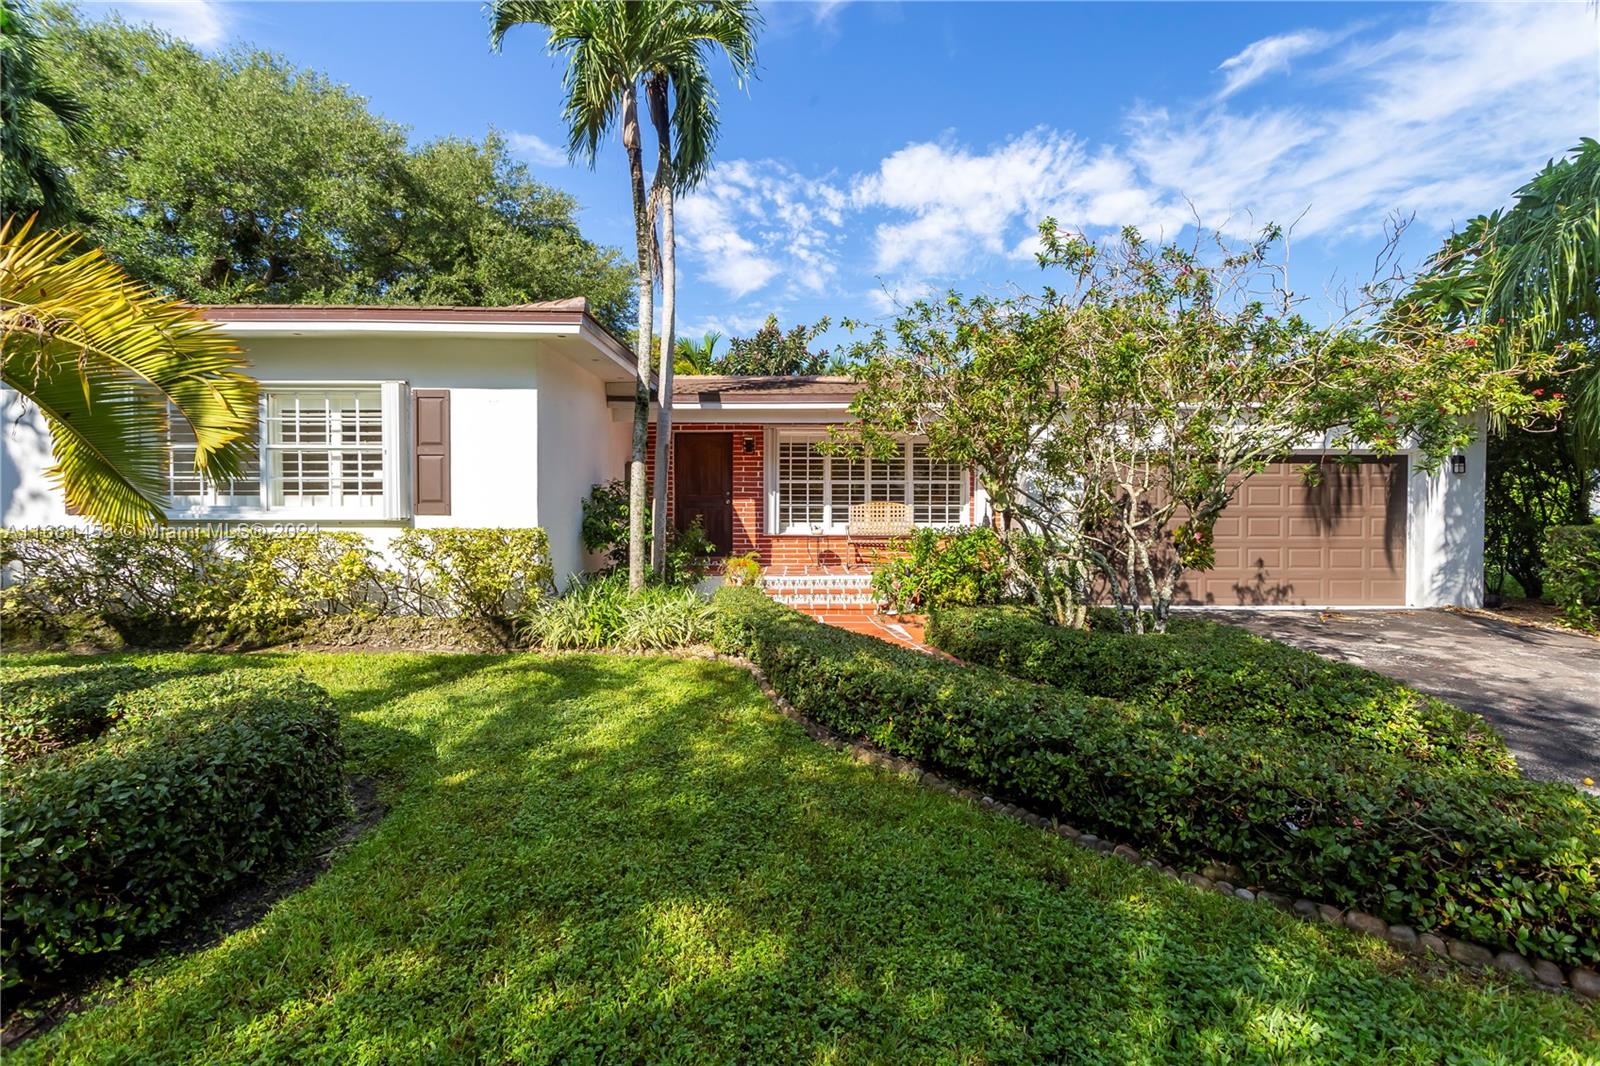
{"points": [[641, 395], [657, 88]]}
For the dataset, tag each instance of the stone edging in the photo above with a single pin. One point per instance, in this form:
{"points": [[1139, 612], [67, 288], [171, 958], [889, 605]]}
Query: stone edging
{"points": [[1540, 973]]}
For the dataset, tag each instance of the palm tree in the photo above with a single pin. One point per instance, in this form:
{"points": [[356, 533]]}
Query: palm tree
{"points": [[105, 360], [30, 181], [1535, 269], [691, 358], [609, 48], [686, 134]]}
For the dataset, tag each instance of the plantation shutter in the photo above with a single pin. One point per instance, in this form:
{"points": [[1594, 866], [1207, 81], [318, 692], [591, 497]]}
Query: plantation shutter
{"points": [[430, 451]]}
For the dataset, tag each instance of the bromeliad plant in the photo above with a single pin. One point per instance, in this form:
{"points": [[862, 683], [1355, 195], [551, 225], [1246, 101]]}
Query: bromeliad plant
{"points": [[105, 359], [1115, 421]]}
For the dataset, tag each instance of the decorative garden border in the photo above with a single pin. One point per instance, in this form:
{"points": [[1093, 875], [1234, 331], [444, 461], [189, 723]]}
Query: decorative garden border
{"points": [[1541, 973]]}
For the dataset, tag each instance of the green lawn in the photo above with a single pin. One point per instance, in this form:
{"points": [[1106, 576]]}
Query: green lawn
{"points": [[634, 859]]}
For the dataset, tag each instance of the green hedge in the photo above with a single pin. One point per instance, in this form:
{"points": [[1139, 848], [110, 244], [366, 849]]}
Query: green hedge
{"points": [[1207, 674], [201, 781], [46, 708], [1572, 572], [1490, 858], [186, 586]]}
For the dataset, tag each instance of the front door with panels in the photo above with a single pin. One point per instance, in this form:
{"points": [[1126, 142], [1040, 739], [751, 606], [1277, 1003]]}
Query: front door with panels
{"points": [[703, 473]]}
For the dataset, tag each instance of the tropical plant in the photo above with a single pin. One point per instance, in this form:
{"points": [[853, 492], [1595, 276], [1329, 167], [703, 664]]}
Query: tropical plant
{"points": [[108, 362], [692, 358], [31, 181], [609, 49], [1535, 268], [683, 110]]}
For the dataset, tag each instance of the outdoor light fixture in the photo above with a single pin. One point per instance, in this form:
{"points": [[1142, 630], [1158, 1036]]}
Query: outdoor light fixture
{"points": [[1458, 464], [749, 445]]}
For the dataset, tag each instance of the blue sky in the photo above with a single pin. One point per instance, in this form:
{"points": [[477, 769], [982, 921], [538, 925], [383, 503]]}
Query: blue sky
{"points": [[892, 150]]}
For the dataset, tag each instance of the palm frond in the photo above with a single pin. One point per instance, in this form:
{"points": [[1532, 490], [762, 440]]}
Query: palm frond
{"points": [[104, 358]]}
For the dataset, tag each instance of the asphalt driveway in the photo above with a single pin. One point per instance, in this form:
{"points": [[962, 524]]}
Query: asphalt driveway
{"points": [[1540, 688]]}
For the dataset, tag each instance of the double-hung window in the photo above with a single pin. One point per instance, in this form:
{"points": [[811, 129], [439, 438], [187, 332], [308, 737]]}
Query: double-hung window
{"points": [[323, 452], [813, 492]]}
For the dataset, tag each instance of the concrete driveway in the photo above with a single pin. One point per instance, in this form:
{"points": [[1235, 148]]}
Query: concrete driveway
{"points": [[1539, 688]]}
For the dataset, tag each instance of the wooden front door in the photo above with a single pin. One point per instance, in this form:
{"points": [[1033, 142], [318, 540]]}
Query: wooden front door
{"points": [[703, 471]]}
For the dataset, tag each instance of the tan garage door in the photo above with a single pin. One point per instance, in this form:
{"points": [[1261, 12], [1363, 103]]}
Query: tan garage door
{"points": [[1285, 542]]}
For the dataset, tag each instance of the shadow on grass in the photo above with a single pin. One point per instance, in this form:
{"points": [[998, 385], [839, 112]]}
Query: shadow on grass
{"points": [[600, 857]]}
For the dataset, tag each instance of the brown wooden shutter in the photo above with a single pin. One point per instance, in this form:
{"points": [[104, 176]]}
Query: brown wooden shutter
{"points": [[430, 451]]}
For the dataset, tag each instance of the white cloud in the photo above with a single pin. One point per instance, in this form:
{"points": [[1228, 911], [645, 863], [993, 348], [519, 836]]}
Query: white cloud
{"points": [[752, 223], [1268, 55], [204, 23], [535, 149]]}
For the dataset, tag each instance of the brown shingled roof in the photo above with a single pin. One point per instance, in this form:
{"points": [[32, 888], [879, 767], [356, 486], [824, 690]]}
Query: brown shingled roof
{"points": [[772, 388]]}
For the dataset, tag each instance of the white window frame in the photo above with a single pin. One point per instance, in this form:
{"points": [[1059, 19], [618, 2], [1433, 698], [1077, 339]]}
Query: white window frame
{"points": [[838, 524], [394, 504]]}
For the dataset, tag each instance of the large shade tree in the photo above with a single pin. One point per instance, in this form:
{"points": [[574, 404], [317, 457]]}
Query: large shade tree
{"points": [[109, 363], [238, 177], [683, 109]]}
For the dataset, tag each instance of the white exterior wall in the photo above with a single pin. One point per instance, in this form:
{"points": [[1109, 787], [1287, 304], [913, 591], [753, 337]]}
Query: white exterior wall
{"points": [[529, 431], [1444, 532]]}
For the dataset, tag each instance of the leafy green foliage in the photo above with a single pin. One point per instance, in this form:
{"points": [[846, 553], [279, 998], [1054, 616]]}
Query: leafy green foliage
{"points": [[1116, 418], [240, 178], [1534, 481], [1572, 572], [605, 532], [201, 781], [603, 613], [771, 350], [943, 568], [1205, 675], [1487, 857], [604, 857], [487, 576], [180, 586], [47, 708], [32, 108]]}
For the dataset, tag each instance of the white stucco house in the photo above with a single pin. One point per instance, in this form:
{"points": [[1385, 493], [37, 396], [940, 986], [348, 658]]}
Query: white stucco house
{"points": [[384, 418]]}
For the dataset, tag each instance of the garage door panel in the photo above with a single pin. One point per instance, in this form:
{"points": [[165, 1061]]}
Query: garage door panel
{"points": [[1283, 542]]}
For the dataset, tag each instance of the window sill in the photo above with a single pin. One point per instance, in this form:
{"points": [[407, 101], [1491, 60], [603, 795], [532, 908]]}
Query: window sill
{"points": [[287, 517]]}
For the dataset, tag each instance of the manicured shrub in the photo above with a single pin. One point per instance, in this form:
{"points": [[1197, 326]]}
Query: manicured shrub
{"points": [[943, 568], [1490, 858], [1572, 572], [484, 575], [46, 708], [1205, 674], [199, 782], [182, 586], [602, 613]]}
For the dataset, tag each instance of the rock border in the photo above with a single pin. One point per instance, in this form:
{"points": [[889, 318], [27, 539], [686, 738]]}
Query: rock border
{"points": [[1542, 974]]}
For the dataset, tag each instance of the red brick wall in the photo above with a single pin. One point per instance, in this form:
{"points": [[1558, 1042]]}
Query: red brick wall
{"points": [[750, 503]]}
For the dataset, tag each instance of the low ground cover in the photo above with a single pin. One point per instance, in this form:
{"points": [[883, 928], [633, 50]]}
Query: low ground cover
{"points": [[1211, 675], [596, 857], [1487, 857]]}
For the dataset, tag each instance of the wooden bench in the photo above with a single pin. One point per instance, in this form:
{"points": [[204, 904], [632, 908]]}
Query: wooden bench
{"points": [[877, 523]]}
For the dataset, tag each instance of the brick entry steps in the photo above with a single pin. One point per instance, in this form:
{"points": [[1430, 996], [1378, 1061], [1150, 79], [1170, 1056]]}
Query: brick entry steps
{"points": [[813, 591]]}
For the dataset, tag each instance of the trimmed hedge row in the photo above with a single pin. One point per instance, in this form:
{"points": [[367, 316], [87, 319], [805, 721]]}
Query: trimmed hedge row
{"points": [[200, 781], [1207, 674], [51, 707], [1489, 858]]}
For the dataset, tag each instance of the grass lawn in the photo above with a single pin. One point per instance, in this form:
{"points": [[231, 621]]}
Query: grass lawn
{"points": [[603, 858]]}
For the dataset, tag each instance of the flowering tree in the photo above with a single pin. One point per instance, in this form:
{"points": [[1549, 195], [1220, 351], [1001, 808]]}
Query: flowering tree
{"points": [[1114, 420]]}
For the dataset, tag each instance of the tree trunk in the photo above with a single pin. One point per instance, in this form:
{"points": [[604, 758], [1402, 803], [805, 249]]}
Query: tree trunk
{"points": [[637, 494], [664, 181]]}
